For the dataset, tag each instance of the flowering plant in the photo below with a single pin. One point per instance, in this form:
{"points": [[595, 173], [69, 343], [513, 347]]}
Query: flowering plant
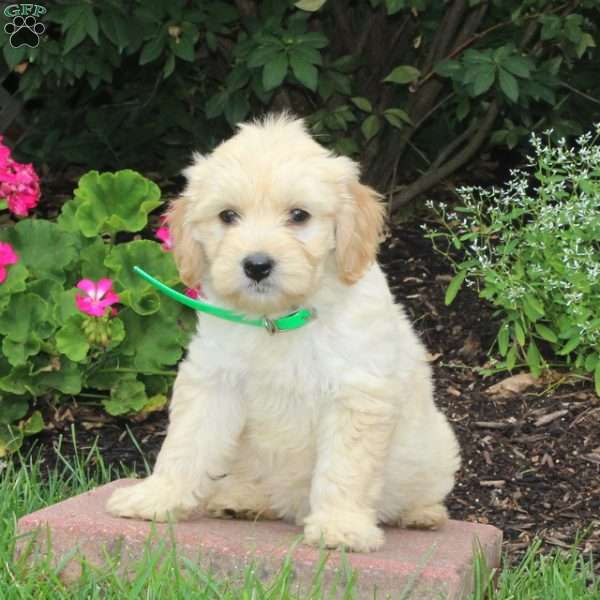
{"points": [[19, 183], [7, 257], [531, 249], [74, 318]]}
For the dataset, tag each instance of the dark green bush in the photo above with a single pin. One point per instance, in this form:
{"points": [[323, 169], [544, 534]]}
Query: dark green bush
{"points": [[413, 88]]}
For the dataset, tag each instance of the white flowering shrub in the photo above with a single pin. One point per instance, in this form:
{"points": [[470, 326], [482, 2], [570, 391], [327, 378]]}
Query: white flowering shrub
{"points": [[532, 249]]}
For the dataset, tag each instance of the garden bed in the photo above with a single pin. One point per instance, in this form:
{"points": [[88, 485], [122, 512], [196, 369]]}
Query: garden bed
{"points": [[531, 460]]}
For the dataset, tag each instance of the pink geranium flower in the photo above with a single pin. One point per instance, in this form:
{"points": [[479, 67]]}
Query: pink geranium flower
{"points": [[7, 257], [164, 235], [195, 293], [19, 183], [4, 154], [99, 296]]}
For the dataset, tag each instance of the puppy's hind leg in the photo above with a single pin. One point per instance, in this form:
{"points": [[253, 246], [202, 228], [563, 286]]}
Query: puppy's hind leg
{"points": [[424, 517], [238, 497]]}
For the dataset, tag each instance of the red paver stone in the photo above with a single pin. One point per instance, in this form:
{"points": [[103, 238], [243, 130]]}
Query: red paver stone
{"points": [[432, 564]]}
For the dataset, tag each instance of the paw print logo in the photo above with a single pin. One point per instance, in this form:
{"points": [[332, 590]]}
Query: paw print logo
{"points": [[24, 31]]}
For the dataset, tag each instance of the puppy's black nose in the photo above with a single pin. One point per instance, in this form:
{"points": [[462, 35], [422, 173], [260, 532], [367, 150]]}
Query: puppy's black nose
{"points": [[258, 266]]}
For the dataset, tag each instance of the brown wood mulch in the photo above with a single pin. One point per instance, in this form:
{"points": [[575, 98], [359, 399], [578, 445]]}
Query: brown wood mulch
{"points": [[531, 458]]}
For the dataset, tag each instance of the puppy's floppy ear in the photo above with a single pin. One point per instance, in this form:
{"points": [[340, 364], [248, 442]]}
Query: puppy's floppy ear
{"points": [[358, 228], [188, 254]]}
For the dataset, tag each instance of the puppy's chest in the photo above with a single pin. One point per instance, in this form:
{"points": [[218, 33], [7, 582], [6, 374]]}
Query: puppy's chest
{"points": [[285, 387]]}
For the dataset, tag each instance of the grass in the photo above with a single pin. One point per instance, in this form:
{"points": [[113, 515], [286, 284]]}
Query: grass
{"points": [[25, 486]]}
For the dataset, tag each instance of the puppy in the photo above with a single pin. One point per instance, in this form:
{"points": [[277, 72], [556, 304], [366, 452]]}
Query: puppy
{"points": [[331, 426]]}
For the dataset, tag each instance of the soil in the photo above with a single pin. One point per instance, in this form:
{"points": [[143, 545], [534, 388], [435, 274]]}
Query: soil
{"points": [[531, 459]]}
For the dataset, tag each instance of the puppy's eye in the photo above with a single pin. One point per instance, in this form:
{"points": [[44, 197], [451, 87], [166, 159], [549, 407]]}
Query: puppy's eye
{"points": [[297, 215], [229, 216]]}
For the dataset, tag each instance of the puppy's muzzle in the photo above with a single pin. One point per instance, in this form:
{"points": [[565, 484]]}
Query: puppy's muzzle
{"points": [[258, 266]]}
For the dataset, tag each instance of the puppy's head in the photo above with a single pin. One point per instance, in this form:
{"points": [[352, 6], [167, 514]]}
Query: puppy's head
{"points": [[268, 213]]}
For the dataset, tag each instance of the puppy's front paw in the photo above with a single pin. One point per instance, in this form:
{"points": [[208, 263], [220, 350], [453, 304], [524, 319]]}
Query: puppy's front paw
{"points": [[355, 532], [155, 498]]}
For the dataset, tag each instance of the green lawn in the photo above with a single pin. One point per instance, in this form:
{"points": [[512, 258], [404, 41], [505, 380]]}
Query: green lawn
{"points": [[561, 576]]}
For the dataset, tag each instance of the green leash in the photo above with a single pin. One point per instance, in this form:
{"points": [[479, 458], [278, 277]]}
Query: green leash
{"points": [[294, 320]]}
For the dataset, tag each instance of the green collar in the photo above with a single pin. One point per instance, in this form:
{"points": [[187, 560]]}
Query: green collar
{"points": [[294, 320]]}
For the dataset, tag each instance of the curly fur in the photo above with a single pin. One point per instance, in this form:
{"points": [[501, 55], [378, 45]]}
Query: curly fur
{"points": [[332, 426]]}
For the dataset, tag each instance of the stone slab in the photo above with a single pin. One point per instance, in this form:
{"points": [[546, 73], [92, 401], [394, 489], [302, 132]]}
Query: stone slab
{"points": [[431, 564]]}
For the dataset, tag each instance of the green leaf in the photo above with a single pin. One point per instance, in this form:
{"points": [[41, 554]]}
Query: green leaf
{"points": [[11, 440], [71, 339], [534, 359], [394, 6], [184, 48], [591, 361], [216, 105], [314, 39], [169, 66], [42, 247], [463, 108], [511, 358], [454, 287], [14, 380], [153, 49], [449, 68], [128, 396], [33, 425], [503, 337], [237, 78], [112, 202], [14, 56], [597, 378], [153, 342], [274, 71], [585, 41], [66, 220], [397, 117], [76, 34], [12, 408], [370, 127], [116, 332], [261, 55], [362, 103], [92, 259], [403, 74], [17, 353], [91, 23], [546, 333], [16, 275], [519, 333], [509, 85], [27, 316], [518, 66], [63, 375], [570, 346], [305, 72], [309, 5], [535, 304], [132, 289], [484, 77], [308, 54], [114, 27], [65, 306], [532, 314], [237, 108]]}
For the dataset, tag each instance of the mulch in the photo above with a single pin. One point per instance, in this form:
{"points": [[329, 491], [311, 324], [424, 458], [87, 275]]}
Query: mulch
{"points": [[531, 459]]}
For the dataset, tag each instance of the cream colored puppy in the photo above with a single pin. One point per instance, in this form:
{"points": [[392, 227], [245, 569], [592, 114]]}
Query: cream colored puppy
{"points": [[332, 426]]}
